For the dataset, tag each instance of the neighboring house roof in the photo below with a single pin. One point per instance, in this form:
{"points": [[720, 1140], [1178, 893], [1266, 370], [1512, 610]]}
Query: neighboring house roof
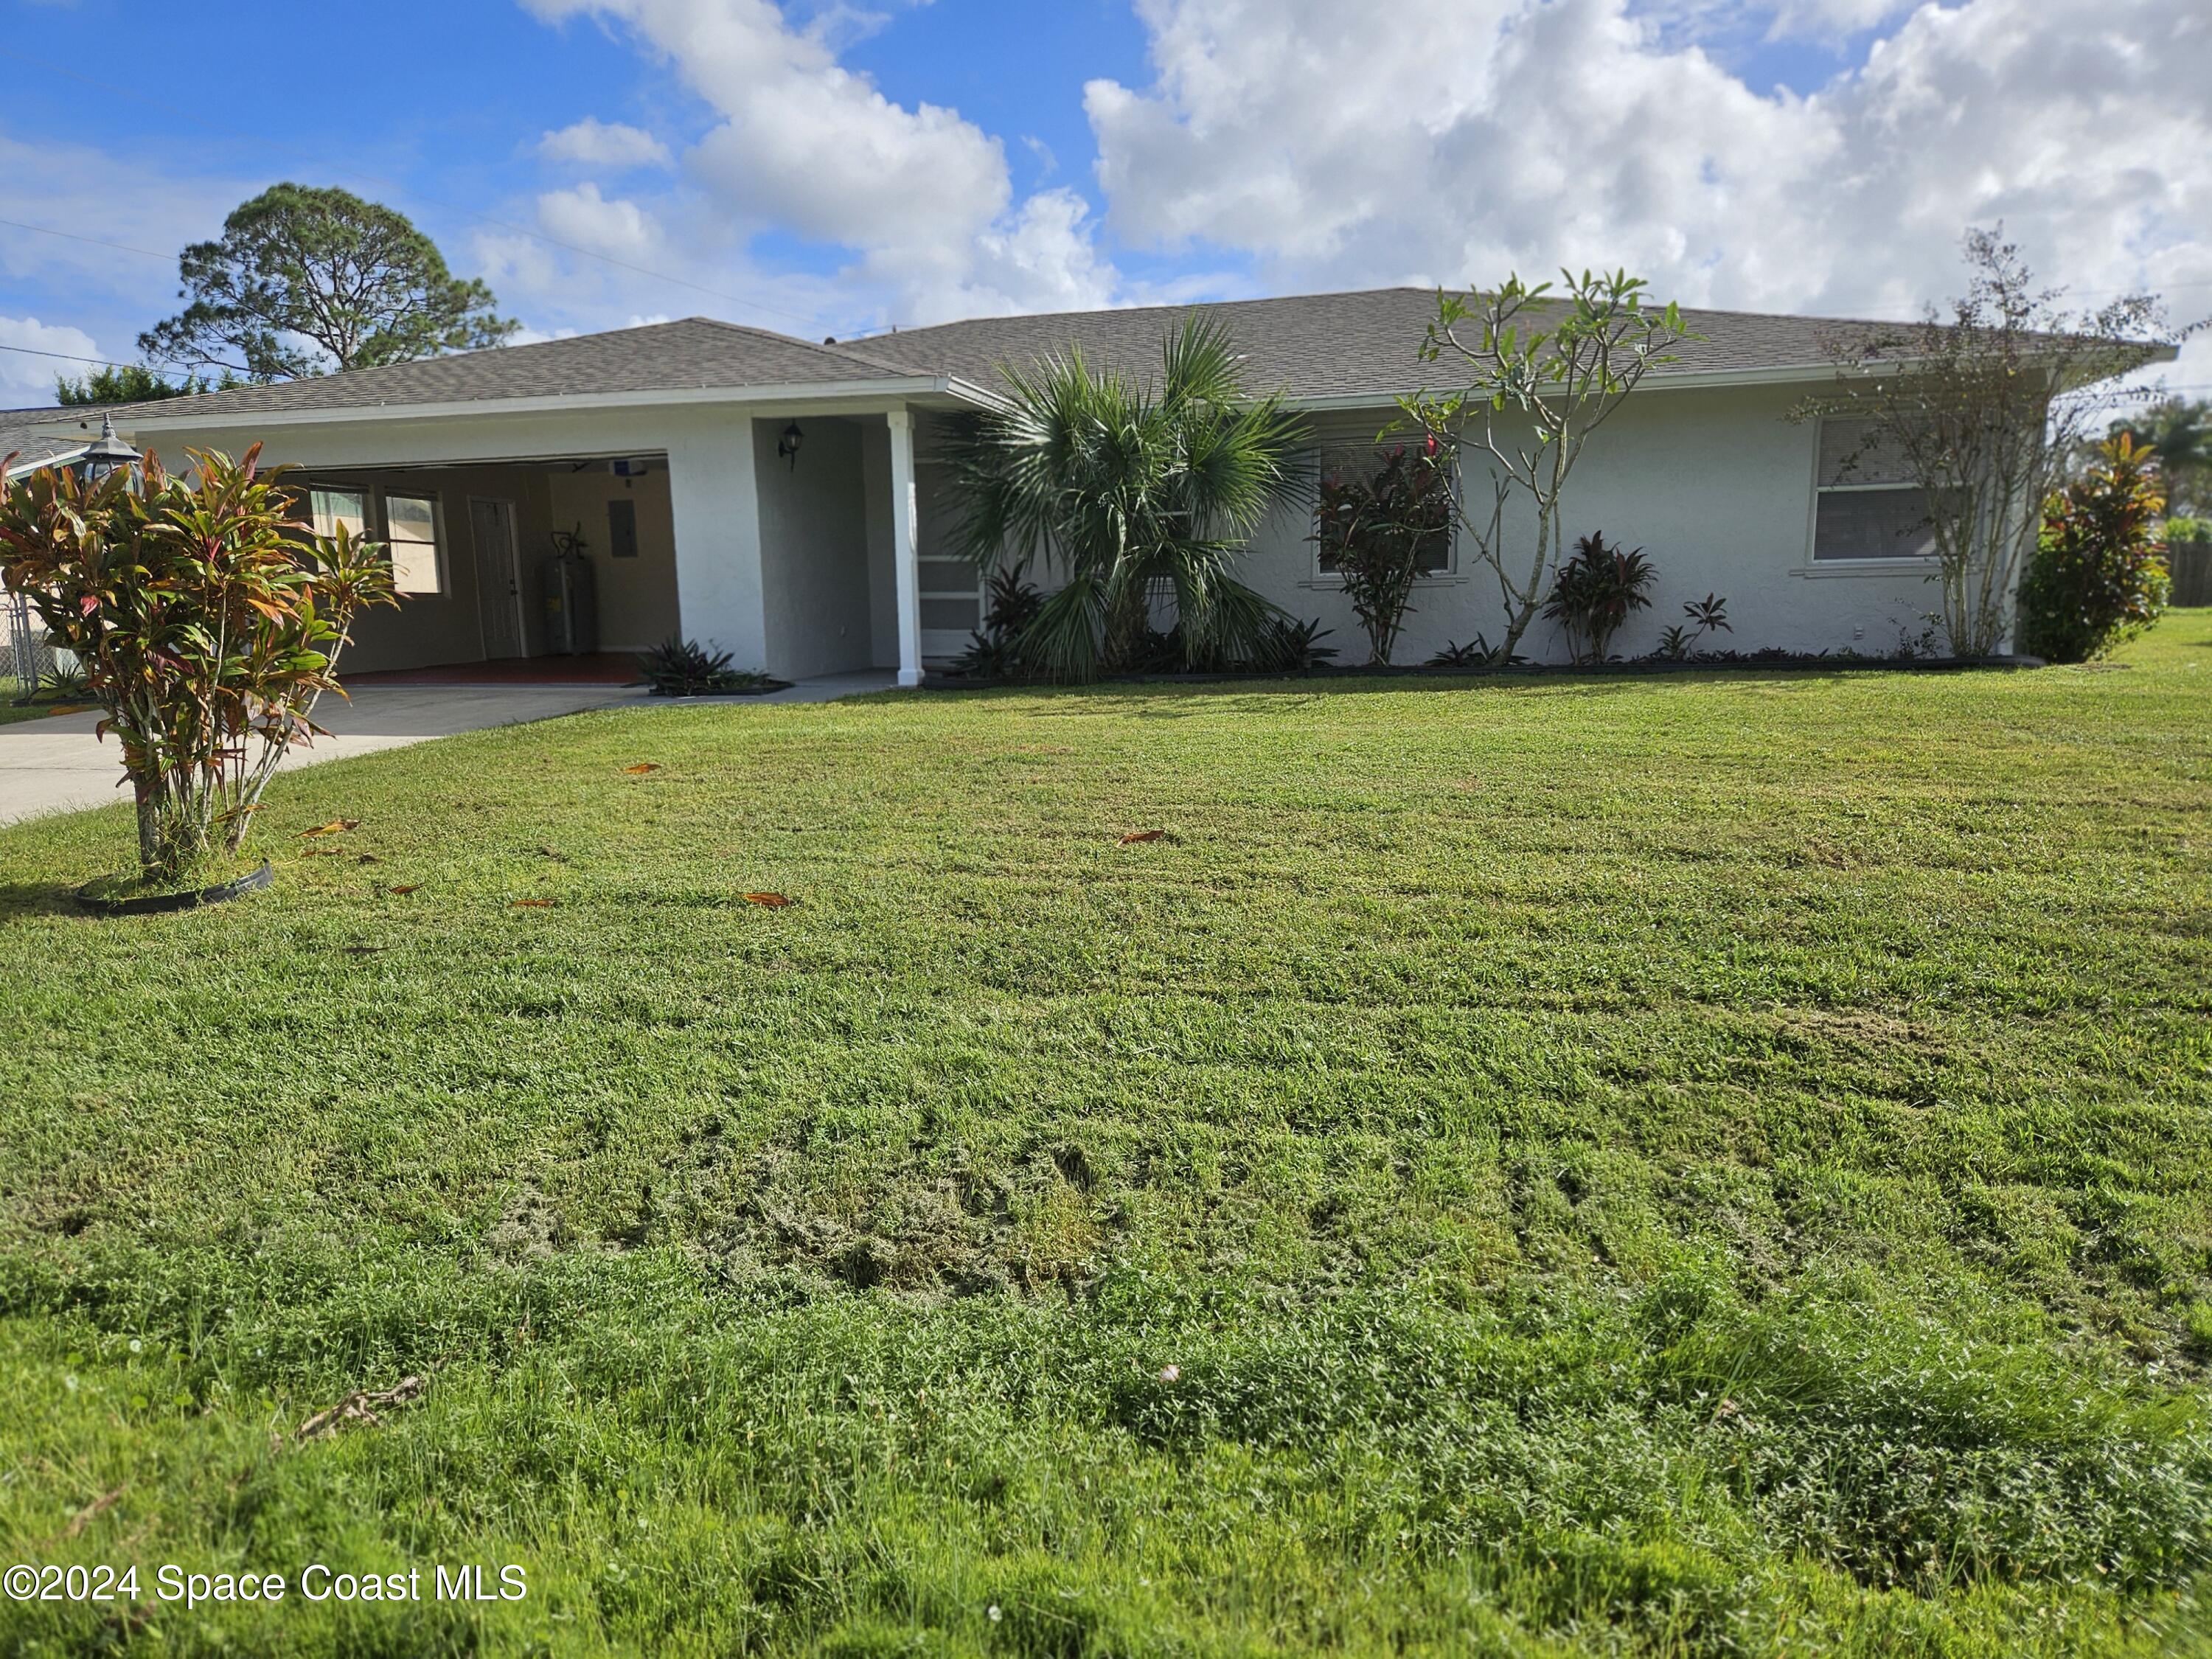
{"points": [[1323, 347], [18, 436]]}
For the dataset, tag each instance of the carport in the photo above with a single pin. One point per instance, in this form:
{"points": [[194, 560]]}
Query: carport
{"points": [[529, 570], [767, 496]]}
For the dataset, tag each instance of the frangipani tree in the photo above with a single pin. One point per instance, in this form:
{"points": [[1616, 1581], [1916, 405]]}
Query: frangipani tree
{"points": [[1133, 495], [209, 620], [1541, 369]]}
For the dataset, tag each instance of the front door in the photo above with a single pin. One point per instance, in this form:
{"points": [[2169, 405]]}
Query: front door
{"points": [[498, 577]]}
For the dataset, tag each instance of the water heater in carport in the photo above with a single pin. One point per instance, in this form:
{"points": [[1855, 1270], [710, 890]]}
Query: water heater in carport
{"points": [[572, 607]]}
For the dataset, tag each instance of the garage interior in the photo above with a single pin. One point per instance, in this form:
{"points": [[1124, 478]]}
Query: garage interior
{"points": [[526, 571]]}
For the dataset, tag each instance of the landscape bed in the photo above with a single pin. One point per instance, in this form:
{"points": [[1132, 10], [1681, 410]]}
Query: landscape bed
{"points": [[1709, 1164]]}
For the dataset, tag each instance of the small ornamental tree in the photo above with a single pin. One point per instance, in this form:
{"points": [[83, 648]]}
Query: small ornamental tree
{"points": [[1374, 528], [207, 619], [2098, 577], [1983, 407], [1542, 372]]}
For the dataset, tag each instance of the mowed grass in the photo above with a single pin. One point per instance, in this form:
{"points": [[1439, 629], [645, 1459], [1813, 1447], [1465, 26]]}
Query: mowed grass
{"points": [[11, 710], [1705, 1165]]}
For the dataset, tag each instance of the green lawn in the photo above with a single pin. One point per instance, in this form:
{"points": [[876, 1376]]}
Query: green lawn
{"points": [[1704, 1164], [10, 710]]}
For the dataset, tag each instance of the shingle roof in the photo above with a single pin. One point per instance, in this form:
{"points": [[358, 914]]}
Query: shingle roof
{"points": [[1319, 345], [1363, 344], [693, 352], [16, 436]]}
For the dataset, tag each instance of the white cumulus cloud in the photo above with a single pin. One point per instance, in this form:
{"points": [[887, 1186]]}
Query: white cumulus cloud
{"points": [[1531, 134], [920, 197], [595, 143], [28, 374], [583, 217]]}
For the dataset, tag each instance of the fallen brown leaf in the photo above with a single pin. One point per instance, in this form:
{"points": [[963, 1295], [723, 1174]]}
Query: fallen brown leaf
{"points": [[91, 1512], [364, 950], [643, 766], [1142, 834], [333, 827], [768, 901], [360, 1407], [535, 904], [409, 888], [370, 858], [547, 852]]}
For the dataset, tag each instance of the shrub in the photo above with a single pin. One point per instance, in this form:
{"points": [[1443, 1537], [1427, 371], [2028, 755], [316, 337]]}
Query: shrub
{"points": [[1705, 616], [1280, 645], [683, 668], [995, 651], [2097, 577], [1373, 530], [1291, 646], [1593, 593], [1475, 653], [60, 685], [1138, 493], [205, 619]]}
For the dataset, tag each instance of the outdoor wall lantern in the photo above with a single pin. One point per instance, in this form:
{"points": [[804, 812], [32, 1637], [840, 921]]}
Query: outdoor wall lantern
{"points": [[786, 446], [106, 453]]}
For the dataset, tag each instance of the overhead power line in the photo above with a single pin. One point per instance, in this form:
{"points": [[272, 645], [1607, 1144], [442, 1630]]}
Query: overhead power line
{"points": [[73, 236], [66, 356]]}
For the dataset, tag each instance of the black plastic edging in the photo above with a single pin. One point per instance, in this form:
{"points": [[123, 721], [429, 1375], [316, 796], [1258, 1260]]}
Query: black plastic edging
{"points": [[154, 904]]}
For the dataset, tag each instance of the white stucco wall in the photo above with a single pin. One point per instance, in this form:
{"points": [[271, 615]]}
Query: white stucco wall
{"points": [[1717, 487], [814, 552], [790, 571], [883, 576]]}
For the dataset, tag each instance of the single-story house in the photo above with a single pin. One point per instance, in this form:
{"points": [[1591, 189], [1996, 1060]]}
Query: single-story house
{"points": [[781, 498]]}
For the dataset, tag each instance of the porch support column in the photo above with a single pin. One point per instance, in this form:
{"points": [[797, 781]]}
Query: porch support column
{"points": [[714, 500], [906, 546]]}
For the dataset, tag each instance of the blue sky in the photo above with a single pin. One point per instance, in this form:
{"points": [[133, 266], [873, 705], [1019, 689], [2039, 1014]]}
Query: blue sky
{"points": [[834, 166]]}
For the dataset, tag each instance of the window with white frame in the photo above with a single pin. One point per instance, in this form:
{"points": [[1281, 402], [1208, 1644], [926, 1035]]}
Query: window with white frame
{"points": [[1393, 477], [411, 528], [1868, 505], [329, 508]]}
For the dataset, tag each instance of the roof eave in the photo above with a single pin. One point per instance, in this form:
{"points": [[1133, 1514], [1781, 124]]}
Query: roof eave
{"points": [[904, 387], [1695, 380], [21, 464]]}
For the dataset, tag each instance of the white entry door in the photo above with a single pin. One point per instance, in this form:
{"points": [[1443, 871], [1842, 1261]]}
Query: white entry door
{"points": [[498, 577]]}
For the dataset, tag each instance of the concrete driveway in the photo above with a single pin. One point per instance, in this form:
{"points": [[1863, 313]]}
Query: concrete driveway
{"points": [[57, 765]]}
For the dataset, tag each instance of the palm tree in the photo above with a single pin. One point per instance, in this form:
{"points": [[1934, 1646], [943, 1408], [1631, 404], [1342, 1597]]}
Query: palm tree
{"points": [[1134, 496]]}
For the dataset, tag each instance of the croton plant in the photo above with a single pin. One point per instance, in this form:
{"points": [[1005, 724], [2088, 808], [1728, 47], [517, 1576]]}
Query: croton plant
{"points": [[209, 619]]}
